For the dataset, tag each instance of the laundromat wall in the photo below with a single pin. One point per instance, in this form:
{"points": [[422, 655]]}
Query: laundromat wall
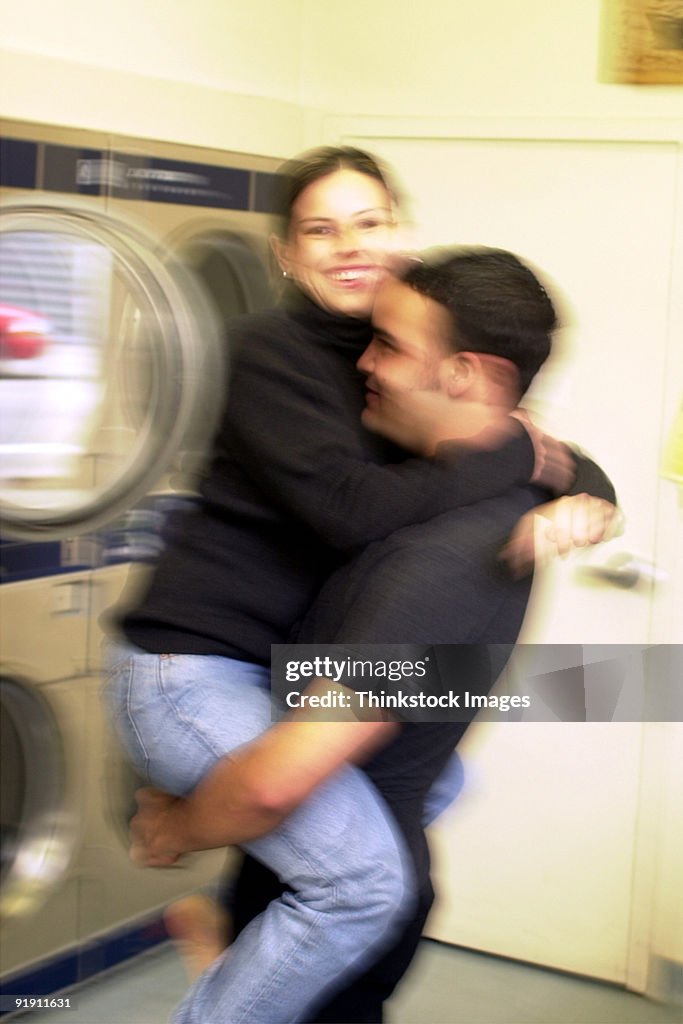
{"points": [[214, 75]]}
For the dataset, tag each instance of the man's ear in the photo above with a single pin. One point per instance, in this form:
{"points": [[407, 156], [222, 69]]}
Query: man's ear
{"points": [[460, 373]]}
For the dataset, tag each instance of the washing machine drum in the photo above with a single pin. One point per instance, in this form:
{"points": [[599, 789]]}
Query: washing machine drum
{"points": [[38, 824], [112, 362]]}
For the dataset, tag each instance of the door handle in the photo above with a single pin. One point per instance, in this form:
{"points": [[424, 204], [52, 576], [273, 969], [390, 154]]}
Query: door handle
{"points": [[623, 569]]}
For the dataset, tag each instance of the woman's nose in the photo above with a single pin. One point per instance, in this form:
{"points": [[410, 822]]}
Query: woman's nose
{"points": [[348, 238]]}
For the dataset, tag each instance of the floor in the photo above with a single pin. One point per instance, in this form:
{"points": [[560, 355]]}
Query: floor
{"points": [[445, 986]]}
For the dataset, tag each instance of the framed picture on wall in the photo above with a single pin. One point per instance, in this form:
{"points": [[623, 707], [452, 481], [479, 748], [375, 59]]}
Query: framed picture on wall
{"points": [[642, 42]]}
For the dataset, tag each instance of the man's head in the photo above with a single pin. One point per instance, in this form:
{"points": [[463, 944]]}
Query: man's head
{"points": [[464, 330]]}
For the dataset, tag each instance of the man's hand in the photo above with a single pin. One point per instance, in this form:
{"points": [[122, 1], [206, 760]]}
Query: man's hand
{"points": [[153, 843], [251, 790], [557, 528]]}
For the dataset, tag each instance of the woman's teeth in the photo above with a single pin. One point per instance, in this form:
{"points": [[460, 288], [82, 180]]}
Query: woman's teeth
{"points": [[348, 275]]}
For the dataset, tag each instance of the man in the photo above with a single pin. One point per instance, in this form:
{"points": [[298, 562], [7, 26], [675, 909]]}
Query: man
{"points": [[456, 344]]}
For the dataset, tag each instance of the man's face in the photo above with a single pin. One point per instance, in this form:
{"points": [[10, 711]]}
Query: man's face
{"points": [[406, 364]]}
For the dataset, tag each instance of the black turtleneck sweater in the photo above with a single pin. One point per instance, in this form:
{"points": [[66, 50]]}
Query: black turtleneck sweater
{"points": [[295, 487]]}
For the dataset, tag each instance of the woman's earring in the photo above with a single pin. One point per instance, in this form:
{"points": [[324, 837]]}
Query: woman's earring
{"points": [[285, 274]]}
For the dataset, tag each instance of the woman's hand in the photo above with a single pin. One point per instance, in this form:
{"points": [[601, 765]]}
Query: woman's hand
{"points": [[557, 528], [555, 466]]}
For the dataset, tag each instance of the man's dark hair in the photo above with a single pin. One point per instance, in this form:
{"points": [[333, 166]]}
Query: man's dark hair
{"points": [[497, 304]]}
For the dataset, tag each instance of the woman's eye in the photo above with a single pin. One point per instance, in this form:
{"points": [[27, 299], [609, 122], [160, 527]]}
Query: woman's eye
{"points": [[318, 230], [372, 223]]}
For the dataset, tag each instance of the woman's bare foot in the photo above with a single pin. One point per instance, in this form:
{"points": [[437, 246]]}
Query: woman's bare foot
{"points": [[200, 927]]}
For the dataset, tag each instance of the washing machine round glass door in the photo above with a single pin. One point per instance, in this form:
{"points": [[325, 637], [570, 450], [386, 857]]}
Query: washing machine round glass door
{"points": [[112, 361], [37, 832]]}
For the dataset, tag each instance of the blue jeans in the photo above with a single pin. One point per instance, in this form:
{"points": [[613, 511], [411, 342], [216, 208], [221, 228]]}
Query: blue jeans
{"points": [[339, 851]]}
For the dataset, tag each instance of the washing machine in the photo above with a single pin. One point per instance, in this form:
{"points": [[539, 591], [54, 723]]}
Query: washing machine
{"points": [[121, 262], [210, 208], [71, 901], [150, 249], [44, 790]]}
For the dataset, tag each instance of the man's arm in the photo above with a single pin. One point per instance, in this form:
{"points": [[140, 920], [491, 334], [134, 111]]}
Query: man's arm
{"points": [[591, 478], [297, 432], [253, 789]]}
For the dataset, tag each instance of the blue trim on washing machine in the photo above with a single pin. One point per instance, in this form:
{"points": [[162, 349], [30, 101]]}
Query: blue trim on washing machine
{"points": [[159, 180], [80, 963], [27, 560], [79, 170], [265, 196], [62, 170], [18, 163], [70, 169], [138, 535]]}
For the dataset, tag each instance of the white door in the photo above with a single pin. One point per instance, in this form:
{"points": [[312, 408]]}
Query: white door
{"points": [[543, 857]]}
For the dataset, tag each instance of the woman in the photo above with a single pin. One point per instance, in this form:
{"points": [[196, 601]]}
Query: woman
{"points": [[295, 488]]}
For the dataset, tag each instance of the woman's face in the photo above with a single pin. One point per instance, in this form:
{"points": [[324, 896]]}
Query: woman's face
{"points": [[340, 232]]}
